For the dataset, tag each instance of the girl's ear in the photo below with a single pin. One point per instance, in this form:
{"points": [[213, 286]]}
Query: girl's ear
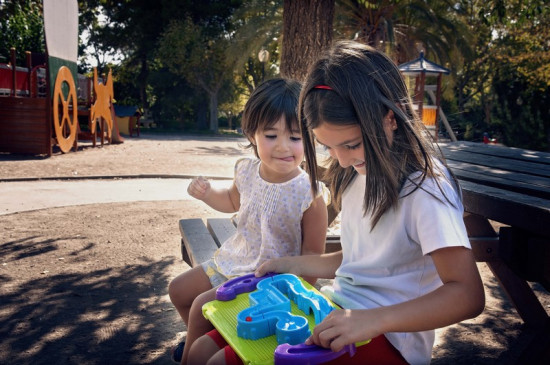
{"points": [[389, 125], [389, 121], [252, 140]]}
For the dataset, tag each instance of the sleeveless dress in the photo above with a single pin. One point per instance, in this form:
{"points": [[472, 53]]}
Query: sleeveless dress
{"points": [[269, 220]]}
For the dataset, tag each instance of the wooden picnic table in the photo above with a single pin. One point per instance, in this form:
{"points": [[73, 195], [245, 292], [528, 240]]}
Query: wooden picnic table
{"points": [[509, 187]]}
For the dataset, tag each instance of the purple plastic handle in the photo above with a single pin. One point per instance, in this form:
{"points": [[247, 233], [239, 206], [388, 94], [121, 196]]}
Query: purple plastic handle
{"points": [[303, 354], [242, 284]]}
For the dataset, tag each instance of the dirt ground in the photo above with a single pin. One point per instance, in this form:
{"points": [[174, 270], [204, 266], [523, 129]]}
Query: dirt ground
{"points": [[87, 284]]}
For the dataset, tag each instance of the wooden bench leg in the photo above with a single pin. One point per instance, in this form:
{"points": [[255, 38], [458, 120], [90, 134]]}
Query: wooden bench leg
{"points": [[184, 254], [520, 294]]}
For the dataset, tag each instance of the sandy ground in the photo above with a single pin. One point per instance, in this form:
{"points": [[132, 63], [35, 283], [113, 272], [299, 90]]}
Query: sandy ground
{"points": [[87, 284]]}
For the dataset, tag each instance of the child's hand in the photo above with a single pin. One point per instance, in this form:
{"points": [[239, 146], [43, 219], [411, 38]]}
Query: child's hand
{"points": [[199, 188], [343, 327], [279, 265]]}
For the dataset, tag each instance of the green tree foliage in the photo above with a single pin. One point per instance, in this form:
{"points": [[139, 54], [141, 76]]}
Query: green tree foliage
{"points": [[521, 79], [503, 86], [402, 28], [98, 44], [22, 28], [136, 29], [189, 53], [210, 58], [259, 26], [132, 27]]}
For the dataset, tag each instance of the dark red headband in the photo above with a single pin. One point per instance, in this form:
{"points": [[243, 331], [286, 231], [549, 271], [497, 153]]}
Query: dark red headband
{"points": [[325, 87]]}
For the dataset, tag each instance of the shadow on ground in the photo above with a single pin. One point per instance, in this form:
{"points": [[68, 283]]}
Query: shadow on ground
{"points": [[499, 336], [101, 317], [88, 284]]}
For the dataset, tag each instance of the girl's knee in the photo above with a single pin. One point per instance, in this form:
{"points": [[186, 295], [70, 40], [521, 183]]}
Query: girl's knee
{"points": [[184, 288], [203, 349], [218, 358], [175, 288]]}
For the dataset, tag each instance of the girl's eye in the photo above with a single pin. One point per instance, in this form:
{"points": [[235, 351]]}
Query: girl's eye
{"points": [[353, 147], [270, 136], [295, 139]]}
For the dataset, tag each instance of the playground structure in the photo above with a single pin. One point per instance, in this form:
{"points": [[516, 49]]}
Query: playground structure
{"points": [[103, 105], [420, 69], [40, 103]]}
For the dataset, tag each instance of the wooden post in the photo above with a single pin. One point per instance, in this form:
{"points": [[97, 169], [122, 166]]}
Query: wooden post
{"points": [[13, 91], [29, 70], [437, 105], [421, 94]]}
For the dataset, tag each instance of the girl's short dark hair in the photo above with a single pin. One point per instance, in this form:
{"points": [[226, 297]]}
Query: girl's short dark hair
{"points": [[271, 100]]}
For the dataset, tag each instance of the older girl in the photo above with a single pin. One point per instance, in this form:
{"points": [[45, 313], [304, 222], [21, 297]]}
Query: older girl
{"points": [[406, 266]]}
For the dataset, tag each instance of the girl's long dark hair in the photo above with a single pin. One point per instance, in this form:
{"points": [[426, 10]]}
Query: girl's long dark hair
{"points": [[364, 86]]}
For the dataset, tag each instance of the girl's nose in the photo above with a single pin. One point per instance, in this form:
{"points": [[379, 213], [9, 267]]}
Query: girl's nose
{"points": [[283, 143], [341, 156]]}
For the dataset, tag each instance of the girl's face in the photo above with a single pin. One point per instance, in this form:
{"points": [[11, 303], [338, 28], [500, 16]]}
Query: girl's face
{"points": [[281, 152], [345, 142]]}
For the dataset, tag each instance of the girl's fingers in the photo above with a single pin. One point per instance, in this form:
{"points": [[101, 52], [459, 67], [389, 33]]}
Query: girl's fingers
{"points": [[202, 182], [324, 337], [337, 344], [273, 265], [198, 186], [263, 269], [329, 333]]}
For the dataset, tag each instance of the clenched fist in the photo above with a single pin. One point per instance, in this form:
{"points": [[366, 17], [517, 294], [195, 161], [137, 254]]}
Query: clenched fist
{"points": [[199, 188]]}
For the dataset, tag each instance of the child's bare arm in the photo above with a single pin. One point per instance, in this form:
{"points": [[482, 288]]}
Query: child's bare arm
{"points": [[460, 297], [314, 227], [318, 266], [223, 200], [314, 231]]}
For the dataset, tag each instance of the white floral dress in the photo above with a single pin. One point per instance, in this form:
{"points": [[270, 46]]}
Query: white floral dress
{"points": [[269, 220]]}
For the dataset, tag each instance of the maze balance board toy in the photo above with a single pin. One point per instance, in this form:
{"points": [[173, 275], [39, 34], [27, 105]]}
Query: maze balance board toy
{"points": [[267, 319]]}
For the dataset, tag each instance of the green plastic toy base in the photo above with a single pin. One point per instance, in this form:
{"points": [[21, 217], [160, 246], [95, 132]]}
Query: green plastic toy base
{"points": [[223, 315]]}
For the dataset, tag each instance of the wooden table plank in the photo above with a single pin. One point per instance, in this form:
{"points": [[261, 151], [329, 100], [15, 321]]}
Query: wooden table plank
{"points": [[507, 164], [500, 151], [517, 182], [508, 207]]}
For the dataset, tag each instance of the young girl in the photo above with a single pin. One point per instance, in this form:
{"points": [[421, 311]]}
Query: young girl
{"points": [[406, 266], [277, 212]]}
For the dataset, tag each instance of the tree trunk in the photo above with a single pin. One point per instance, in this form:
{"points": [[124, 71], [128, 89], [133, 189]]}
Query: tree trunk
{"points": [[201, 113], [307, 31], [143, 74], [214, 111]]}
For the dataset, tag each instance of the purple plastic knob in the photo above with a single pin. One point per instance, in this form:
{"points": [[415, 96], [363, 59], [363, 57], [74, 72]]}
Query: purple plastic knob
{"points": [[242, 284], [303, 354]]}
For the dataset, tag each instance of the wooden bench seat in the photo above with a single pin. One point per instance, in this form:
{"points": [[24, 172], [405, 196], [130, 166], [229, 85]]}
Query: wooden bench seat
{"points": [[199, 241]]}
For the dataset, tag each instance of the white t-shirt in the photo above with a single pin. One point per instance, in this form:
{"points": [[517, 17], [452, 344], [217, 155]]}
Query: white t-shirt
{"points": [[391, 264], [269, 220]]}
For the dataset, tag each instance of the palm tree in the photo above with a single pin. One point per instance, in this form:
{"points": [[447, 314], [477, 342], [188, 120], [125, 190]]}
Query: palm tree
{"points": [[259, 27], [402, 28]]}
